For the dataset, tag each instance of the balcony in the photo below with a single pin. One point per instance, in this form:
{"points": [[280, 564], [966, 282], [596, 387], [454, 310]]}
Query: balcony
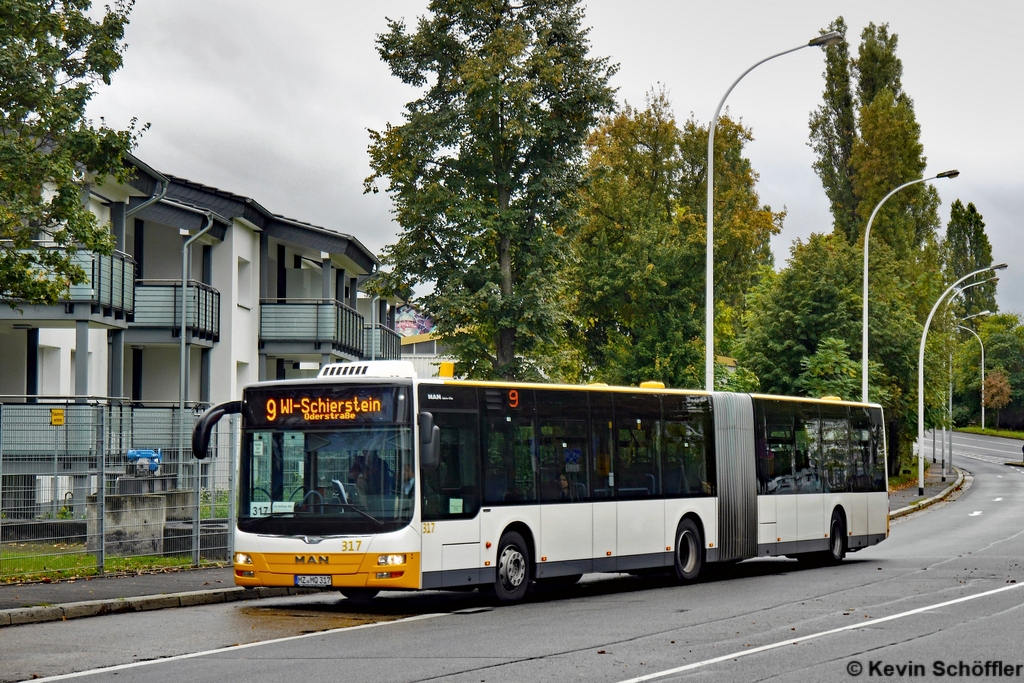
{"points": [[110, 281], [381, 343], [319, 323], [158, 305]]}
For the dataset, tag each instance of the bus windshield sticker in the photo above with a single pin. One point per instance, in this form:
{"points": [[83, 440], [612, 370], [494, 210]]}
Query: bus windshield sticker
{"points": [[283, 506], [260, 509], [455, 506]]}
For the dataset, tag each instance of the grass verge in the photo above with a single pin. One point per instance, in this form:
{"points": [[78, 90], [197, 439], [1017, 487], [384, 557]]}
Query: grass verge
{"points": [[55, 561], [1005, 433]]}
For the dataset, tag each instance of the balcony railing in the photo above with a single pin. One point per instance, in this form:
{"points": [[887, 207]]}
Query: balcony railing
{"points": [[109, 283], [316, 321], [158, 304], [381, 343]]}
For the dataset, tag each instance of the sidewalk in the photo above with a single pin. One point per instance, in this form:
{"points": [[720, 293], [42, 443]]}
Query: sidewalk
{"points": [[38, 602], [906, 500]]}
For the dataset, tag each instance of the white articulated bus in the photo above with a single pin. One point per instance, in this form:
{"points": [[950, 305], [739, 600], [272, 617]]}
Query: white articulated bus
{"points": [[368, 479]]}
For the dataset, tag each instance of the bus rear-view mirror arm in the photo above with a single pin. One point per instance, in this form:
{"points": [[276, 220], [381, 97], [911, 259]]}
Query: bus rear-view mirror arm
{"points": [[207, 421], [430, 442]]}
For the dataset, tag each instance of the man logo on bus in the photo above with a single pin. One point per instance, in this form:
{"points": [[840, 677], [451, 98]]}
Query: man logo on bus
{"points": [[312, 559]]}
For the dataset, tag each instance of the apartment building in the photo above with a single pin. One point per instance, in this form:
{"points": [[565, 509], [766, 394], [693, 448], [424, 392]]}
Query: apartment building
{"points": [[267, 297]]}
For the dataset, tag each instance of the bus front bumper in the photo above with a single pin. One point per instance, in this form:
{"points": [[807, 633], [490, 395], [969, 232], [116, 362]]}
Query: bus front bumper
{"points": [[344, 570]]}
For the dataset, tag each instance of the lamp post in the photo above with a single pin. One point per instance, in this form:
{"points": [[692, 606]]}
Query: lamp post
{"points": [[823, 40], [864, 300], [982, 344], [920, 373]]}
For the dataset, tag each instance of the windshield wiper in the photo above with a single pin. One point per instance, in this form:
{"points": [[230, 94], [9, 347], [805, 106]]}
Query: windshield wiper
{"points": [[352, 507]]}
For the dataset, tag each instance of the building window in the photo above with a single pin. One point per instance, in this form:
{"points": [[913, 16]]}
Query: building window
{"points": [[244, 283]]}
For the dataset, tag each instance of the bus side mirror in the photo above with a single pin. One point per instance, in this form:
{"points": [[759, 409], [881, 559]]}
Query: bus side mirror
{"points": [[430, 442], [207, 421]]}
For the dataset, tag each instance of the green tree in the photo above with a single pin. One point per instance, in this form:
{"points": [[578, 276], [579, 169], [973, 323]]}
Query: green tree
{"points": [[877, 67], [52, 55], [967, 250], [638, 258], [485, 170], [830, 371], [817, 298], [833, 131]]}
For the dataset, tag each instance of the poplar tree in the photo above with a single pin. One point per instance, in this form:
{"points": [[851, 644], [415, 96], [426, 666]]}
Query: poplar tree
{"points": [[967, 250], [485, 169]]}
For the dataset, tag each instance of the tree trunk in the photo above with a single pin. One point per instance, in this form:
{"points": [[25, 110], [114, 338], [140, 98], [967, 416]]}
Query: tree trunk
{"points": [[506, 342]]}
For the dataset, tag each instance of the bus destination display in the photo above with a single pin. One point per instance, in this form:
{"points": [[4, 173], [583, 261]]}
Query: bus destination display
{"points": [[318, 409], [291, 408]]}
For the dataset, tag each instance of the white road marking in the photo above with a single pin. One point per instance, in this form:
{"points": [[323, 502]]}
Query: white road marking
{"points": [[975, 513], [235, 648], [794, 641]]}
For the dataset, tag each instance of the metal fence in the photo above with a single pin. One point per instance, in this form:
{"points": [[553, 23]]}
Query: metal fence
{"points": [[87, 488]]}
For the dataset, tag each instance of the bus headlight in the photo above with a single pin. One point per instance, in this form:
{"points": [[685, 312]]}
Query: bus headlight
{"points": [[390, 559], [242, 558]]}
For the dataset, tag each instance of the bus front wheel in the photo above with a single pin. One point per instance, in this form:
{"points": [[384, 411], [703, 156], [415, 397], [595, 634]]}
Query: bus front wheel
{"points": [[513, 568], [360, 596], [689, 555]]}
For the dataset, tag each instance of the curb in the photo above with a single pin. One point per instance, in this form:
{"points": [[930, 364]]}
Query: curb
{"points": [[903, 512], [142, 603]]}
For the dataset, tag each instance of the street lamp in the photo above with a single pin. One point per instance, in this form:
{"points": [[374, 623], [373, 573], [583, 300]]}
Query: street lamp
{"points": [[920, 373], [864, 302], [823, 40], [982, 344]]}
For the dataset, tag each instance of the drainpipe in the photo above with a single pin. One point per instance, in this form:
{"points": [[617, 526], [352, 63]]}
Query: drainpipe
{"points": [[373, 327], [155, 198], [182, 370]]}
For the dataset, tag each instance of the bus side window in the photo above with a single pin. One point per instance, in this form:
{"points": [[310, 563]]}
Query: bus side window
{"points": [[638, 445], [835, 449], [509, 457], [684, 456], [562, 446]]}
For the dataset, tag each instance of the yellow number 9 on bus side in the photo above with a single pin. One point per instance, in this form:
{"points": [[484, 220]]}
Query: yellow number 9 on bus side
{"points": [[271, 410], [513, 398]]}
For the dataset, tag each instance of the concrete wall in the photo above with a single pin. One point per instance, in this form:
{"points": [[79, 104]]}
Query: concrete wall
{"points": [[234, 359], [12, 366], [161, 375]]}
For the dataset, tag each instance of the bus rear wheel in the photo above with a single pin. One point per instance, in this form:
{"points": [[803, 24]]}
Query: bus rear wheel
{"points": [[836, 540], [513, 568], [689, 555]]}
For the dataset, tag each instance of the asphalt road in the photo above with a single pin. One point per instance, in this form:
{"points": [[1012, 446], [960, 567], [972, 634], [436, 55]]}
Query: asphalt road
{"points": [[947, 587]]}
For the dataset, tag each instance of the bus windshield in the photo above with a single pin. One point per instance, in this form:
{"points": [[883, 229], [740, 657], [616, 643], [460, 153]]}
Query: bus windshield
{"points": [[313, 465]]}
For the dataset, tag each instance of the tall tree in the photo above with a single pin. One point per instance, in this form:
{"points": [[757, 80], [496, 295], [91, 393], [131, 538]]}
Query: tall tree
{"points": [[833, 130], [888, 153], [485, 169], [637, 260], [52, 55], [997, 392], [877, 67], [967, 250]]}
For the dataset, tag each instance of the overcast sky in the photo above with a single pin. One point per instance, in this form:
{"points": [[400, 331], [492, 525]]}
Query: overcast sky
{"points": [[272, 100]]}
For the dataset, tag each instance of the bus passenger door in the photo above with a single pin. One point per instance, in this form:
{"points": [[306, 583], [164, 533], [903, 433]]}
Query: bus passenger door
{"points": [[451, 505]]}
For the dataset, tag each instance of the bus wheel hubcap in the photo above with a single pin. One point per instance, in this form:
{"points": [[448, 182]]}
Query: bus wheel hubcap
{"points": [[511, 568], [687, 548]]}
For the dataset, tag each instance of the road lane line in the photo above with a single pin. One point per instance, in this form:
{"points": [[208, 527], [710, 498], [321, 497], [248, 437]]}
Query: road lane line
{"points": [[794, 641], [233, 648]]}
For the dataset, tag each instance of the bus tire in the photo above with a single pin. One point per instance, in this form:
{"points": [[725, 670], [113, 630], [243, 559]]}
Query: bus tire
{"points": [[360, 596], [513, 568], [689, 555], [836, 540]]}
